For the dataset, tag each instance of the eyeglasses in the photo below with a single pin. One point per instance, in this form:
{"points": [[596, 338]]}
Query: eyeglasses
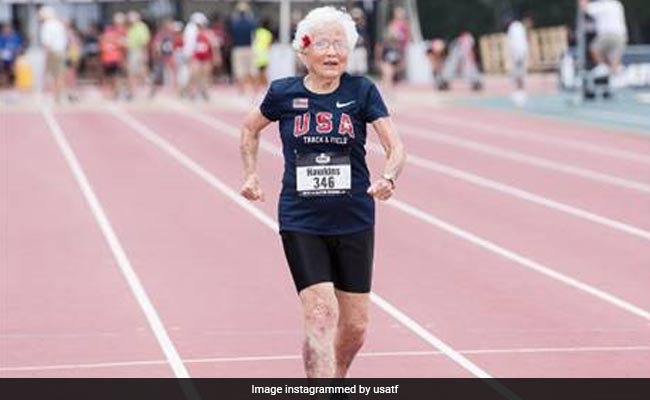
{"points": [[324, 44]]}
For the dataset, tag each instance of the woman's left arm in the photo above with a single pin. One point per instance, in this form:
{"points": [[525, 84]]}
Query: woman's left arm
{"points": [[384, 187]]}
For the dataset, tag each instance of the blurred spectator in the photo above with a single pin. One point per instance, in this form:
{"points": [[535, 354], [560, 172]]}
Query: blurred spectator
{"points": [[461, 59], [611, 34], [111, 45], [262, 50], [10, 48], [388, 56], [400, 26], [190, 36], [137, 45], [400, 29], [54, 40], [517, 39], [358, 61], [242, 27], [119, 23], [162, 53], [206, 54], [179, 56], [72, 59], [436, 54], [90, 62], [221, 36]]}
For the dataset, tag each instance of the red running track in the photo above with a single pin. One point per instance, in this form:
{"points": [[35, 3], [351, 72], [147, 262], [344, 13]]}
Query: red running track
{"points": [[218, 281]]}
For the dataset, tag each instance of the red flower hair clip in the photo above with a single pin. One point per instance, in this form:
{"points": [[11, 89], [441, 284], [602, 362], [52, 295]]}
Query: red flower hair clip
{"points": [[306, 41]]}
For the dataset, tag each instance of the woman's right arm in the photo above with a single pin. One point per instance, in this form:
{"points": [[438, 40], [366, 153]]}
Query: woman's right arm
{"points": [[249, 146]]}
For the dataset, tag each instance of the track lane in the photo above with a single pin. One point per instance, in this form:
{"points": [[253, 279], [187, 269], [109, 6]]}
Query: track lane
{"points": [[596, 197], [481, 133], [64, 300], [174, 229], [395, 242], [203, 330], [599, 255], [544, 127], [230, 169]]}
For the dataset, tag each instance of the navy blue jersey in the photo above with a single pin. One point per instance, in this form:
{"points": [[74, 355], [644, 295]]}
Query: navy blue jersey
{"points": [[325, 182]]}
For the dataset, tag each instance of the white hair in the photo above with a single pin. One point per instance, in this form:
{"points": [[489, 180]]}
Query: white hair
{"points": [[322, 17], [47, 12], [199, 18]]}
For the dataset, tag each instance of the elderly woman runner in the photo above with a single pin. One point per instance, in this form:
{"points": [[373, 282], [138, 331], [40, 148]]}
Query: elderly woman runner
{"points": [[326, 206]]}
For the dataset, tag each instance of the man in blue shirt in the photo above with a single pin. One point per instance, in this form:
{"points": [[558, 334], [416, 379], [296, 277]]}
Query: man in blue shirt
{"points": [[326, 207], [242, 28], [10, 47]]}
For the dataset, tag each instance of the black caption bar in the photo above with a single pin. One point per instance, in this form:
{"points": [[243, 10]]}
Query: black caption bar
{"points": [[320, 389]]}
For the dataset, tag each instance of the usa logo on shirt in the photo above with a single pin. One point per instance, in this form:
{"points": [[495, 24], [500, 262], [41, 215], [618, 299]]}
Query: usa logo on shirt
{"points": [[301, 103]]}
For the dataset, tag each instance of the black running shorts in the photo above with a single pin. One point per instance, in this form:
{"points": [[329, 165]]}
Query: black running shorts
{"points": [[345, 260]]}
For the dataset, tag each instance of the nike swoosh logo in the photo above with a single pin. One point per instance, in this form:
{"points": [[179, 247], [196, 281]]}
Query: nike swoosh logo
{"points": [[341, 105]]}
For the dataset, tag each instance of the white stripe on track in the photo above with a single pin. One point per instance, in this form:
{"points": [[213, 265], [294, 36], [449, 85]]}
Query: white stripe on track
{"points": [[380, 354], [211, 179], [519, 259], [122, 259], [467, 236], [520, 134], [411, 130], [521, 194], [138, 290]]}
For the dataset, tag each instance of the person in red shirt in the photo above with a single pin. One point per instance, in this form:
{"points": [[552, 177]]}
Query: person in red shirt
{"points": [[111, 50], [206, 54]]}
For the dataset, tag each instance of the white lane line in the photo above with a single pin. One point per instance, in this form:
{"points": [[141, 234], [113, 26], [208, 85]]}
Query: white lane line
{"points": [[411, 130], [485, 244], [212, 180], [378, 354], [521, 134], [521, 194], [111, 238], [519, 259]]}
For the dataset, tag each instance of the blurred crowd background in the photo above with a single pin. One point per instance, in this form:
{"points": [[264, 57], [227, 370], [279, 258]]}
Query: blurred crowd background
{"points": [[135, 48]]}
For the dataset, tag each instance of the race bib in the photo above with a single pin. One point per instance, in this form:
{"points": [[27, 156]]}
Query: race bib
{"points": [[323, 174]]}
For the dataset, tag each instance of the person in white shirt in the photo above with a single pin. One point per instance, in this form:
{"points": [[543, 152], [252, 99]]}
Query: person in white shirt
{"points": [[611, 32], [54, 40], [190, 34], [517, 40]]}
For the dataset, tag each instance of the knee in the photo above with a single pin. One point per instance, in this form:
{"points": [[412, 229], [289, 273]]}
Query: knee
{"points": [[354, 332], [321, 318]]}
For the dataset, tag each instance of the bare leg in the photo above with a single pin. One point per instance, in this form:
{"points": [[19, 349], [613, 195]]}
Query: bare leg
{"points": [[352, 327], [59, 85], [598, 59], [206, 80], [387, 75], [320, 311]]}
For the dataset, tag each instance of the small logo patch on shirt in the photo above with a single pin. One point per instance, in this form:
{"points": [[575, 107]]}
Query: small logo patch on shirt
{"points": [[322, 159], [301, 102], [341, 105]]}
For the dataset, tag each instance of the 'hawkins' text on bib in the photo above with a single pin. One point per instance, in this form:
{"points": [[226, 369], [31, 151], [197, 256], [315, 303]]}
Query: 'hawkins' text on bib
{"points": [[323, 174]]}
